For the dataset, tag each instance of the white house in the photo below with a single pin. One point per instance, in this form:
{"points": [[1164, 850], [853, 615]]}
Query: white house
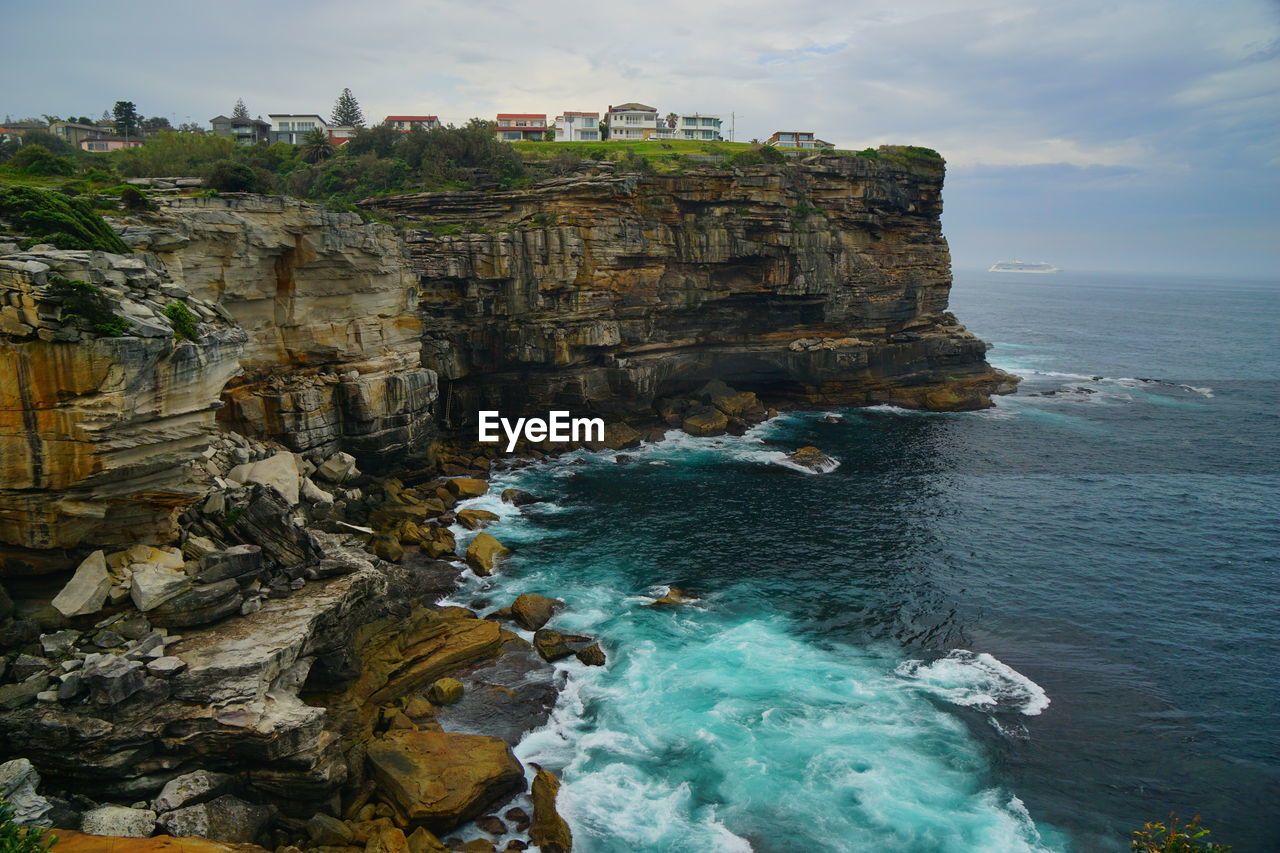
{"points": [[698, 126], [404, 124], [514, 127], [291, 128], [797, 139], [577, 127], [633, 121]]}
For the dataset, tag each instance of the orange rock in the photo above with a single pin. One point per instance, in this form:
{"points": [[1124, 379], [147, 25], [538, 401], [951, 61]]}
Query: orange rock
{"points": [[70, 841]]}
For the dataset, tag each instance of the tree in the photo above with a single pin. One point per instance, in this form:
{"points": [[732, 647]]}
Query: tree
{"points": [[240, 110], [346, 111], [672, 118], [155, 124], [604, 130], [379, 140], [126, 118], [190, 127], [316, 146]]}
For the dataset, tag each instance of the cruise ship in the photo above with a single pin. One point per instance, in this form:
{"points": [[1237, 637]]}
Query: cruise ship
{"points": [[1022, 266]]}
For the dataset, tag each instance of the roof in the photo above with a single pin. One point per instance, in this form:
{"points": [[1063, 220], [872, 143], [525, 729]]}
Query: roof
{"points": [[296, 115], [632, 107], [411, 118], [572, 113], [509, 116], [240, 120], [131, 139]]}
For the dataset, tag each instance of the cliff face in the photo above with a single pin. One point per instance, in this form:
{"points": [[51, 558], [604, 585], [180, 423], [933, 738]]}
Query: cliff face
{"points": [[819, 283], [97, 432], [330, 307]]}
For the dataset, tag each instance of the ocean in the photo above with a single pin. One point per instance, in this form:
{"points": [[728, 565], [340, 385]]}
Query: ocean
{"points": [[1031, 628]]}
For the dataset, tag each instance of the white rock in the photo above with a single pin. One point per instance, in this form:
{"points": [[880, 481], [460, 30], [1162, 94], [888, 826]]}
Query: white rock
{"points": [[314, 494], [119, 821], [191, 788], [153, 586], [338, 468], [280, 472], [88, 588], [18, 783]]}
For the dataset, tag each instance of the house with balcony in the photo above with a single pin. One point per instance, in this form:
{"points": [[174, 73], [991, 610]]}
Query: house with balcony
{"points": [[110, 143], [245, 131], [76, 133], [578, 127], [633, 121], [796, 139], [404, 124], [514, 127], [698, 126], [293, 127]]}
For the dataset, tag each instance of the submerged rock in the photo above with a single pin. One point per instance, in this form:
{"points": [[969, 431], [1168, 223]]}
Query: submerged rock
{"points": [[484, 552], [551, 645], [675, 597], [519, 497], [813, 459], [445, 691], [474, 519], [531, 611], [549, 830], [592, 655]]}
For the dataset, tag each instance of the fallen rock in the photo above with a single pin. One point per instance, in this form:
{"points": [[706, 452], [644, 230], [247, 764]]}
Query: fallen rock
{"points": [[87, 590], [201, 605], [338, 468], [549, 830], [226, 818], [166, 666], [445, 691], [484, 552], [111, 679], [531, 611], [704, 420], [152, 586], [592, 655], [280, 472], [422, 841], [119, 821], [192, 788], [387, 547], [243, 562], [551, 645], [327, 831], [442, 779], [466, 487], [474, 519], [18, 783], [813, 459]]}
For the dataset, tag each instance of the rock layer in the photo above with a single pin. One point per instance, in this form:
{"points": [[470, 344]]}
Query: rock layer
{"points": [[823, 282]]}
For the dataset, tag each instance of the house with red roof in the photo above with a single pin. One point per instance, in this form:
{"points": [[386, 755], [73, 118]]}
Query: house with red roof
{"points": [[513, 127]]}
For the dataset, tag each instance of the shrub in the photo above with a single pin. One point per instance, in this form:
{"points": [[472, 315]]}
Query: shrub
{"points": [[134, 200], [745, 158], [1159, 838], [50, 217], [87, 302], [182, 320], [634, 164], [564, 163], [168, 154], [38, 161], [21, 839], [227, 176], [769, 154]]}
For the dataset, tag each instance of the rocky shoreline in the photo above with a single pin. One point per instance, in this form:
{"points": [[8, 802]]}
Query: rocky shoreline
{"points": [[230, 475]]}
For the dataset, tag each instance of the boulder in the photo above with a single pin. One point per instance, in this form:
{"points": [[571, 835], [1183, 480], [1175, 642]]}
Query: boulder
{"points": [[238, 561], [119, 821], [813, 459], [201, 605], [16, 695], [592, 655], [551, 645], [442, 779], [387, 547], [440, 543], [474, 519], [166, 666], [152, 586], [313, 494], [484, 552], [531, 611], [338, 468], [675, 597], [87, 590], [422, 841], [111, 679], [549, 830], [519, 497], [280, 472], [226, 818], [18, 783], [467, 487], [199, 786], [445, 691], [704, 420], [327, 831]]}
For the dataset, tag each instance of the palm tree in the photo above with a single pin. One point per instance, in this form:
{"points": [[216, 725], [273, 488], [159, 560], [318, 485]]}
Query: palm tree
{"points": [[672, 118], [316, 146]]}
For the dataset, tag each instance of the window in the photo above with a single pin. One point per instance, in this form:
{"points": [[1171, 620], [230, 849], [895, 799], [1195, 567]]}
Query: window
{"points": [[512, 134], [97, 146], [589, 134]]}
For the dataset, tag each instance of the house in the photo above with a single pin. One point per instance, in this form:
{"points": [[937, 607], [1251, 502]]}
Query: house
{"points": [[7, 135], [404, 124], [340, 134], [578, 127], [698, 126], [513, 127], [111, 143], [796, 139], [246, 131], [292, 127], [633, 121], [77, 133]]}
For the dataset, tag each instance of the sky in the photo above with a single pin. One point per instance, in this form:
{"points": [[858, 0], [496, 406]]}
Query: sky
{"points": [[1127, 135]]}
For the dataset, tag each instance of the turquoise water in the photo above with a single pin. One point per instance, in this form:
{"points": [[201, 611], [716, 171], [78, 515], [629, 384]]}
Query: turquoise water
{"points": [[1030, 628]]}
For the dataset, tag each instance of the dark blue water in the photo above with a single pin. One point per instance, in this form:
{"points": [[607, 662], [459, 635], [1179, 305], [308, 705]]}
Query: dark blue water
{"points": [[1030, 628]]}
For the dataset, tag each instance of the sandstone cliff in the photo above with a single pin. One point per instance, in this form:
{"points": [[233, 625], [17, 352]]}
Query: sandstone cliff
{"points": [[820, 283], [330, 307]]}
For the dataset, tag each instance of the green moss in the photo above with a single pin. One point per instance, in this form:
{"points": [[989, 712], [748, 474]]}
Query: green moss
{"points": [[51, 217], [87, 303], [182, 320]]}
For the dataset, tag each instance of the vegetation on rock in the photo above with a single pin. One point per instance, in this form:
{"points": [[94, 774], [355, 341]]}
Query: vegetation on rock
{"points": [[1158, 837], [182, 320], [86, 301], [50, 217], [21, 839]]}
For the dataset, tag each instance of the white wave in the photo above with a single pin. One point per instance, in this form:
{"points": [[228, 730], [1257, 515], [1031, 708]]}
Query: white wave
{"points": [[778, 457], [977, 680]]}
